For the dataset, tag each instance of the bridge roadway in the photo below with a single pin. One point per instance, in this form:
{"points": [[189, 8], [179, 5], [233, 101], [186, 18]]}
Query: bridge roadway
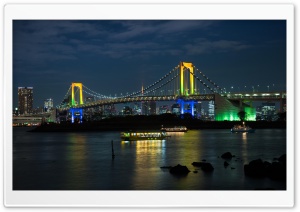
{"points": [[241, 96], [204, 97], [256, 96]]}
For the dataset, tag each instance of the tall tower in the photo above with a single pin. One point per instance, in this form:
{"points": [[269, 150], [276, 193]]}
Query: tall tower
{"points": [[186, 87], [25, 100], [186, 78], [79, 86]]}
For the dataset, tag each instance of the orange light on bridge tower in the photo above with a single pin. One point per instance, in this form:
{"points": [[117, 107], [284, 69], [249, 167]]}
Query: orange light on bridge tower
{"points": [[189, 66], [78, 85]]}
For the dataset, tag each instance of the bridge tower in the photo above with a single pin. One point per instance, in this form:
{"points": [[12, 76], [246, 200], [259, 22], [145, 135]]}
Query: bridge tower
{"points": [[76, 112], [187, 85]]}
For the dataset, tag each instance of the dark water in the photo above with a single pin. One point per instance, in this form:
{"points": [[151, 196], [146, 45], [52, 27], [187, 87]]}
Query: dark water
{"points": [[83, 161]]}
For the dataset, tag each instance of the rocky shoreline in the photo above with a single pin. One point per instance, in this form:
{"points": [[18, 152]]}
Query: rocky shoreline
{"points": [[254, 169]]}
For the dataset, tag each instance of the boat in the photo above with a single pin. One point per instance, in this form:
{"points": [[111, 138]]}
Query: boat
{"points": [[175, 129], [242, 128], [136, 136]]}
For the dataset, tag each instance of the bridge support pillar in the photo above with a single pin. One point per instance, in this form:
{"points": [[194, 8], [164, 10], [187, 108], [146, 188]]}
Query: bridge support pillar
{"points": [[186, 107], [76, 113], [281, 105]]}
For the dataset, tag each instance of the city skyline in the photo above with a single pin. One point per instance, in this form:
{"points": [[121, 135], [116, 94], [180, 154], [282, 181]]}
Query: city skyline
{"points": [[113, 57]]}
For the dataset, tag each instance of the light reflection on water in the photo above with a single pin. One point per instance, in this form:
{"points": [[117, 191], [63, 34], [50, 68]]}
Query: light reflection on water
{"points": [[76, 161], [83, 161]]}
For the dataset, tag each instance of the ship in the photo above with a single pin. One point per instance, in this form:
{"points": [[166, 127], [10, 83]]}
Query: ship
{"points": [[136, 136], [242, 128], [175, 129]]}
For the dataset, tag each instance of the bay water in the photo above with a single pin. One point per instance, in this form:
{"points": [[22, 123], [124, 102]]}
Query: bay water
{"points": [[83, 160]]}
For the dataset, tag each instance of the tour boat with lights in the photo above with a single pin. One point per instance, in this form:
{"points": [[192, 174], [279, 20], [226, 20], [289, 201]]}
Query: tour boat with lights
{"points": [[136, 136], [242, 128], [175, 129]]}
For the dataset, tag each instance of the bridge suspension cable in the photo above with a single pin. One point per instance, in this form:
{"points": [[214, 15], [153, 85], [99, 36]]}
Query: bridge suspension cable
{"points": [[155, 83], [203, 83], [66, 95], [98, 96], [93, 93], [166, 83], [209, 80]]}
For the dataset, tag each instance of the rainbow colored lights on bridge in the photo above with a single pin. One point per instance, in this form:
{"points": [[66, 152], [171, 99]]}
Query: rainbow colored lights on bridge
{"points": [[79, 86], [184, 84]]}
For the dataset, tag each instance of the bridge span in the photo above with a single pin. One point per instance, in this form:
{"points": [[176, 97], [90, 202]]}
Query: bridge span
{"points": [[184, 84]]}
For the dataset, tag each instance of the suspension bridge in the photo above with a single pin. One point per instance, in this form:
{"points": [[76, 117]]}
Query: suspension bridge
{"points": [[184, 84]]}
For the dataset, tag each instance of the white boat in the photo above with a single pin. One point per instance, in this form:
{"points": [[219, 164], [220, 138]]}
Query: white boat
{"points": [[136, 136], [242, 128], [175, 129]]}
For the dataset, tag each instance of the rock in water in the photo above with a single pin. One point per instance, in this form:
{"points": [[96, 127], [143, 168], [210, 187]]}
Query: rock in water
{"points": [[282, 159], [227, 155], [199, 164], [226, 164], [204, 166], [255, 168], [274, 170], [207, 167], [179, 170]]}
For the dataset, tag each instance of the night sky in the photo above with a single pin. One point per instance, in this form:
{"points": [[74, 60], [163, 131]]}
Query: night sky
{"points": [[114, 57]]}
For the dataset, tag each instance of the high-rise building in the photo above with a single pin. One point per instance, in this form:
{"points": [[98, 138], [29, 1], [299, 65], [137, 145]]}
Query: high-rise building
{"points": [[152, 107], [211, 110], [164, 109], [25, 100], [127, 110], [149, 108], [137, 110], [176, 109], [198, 108], [110, 110], [266, 111], [145, 108], [89, 112], [48, 105]]}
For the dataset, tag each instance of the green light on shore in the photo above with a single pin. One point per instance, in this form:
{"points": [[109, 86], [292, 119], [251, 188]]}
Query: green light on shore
{"points": [[233, 115], [251, 113], [227, 116]]}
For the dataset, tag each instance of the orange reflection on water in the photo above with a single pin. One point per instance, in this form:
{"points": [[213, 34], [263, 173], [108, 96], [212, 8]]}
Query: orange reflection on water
{"points": [[244, 136], [149, 146], [175, 133], [76, 156], [149, 153], [244, 145]]}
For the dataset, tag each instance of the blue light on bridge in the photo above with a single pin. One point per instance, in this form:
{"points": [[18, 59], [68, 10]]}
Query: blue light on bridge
{"points": [[186, 106], [76, 113]]}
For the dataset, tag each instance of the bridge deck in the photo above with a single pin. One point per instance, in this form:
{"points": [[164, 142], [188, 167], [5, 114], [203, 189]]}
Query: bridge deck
{"points": [[255, 96]]}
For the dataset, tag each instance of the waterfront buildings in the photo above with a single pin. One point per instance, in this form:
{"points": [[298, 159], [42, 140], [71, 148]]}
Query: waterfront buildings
{"points": [[211, 110], [48, 105], [25, 100], [137, 108], [126, 111], [198, 109], [163, 109], [149, 108], [176, 109], [266, 111]]}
